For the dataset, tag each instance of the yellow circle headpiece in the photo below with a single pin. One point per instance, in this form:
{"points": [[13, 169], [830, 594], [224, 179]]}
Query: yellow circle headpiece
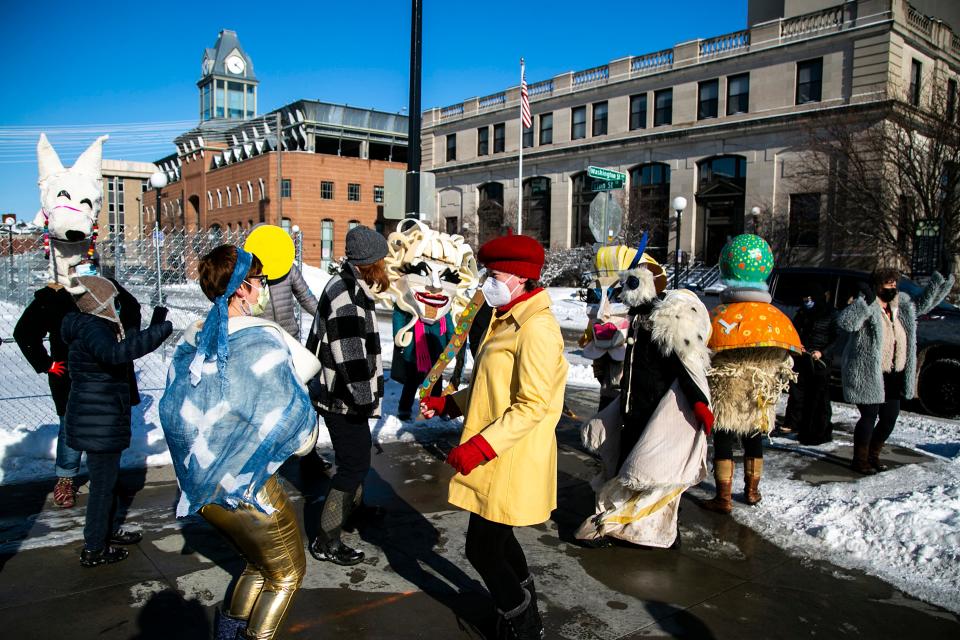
{"points": [[274, 247]]}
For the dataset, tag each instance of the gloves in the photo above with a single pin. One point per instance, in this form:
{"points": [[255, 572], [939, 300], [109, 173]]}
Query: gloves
{"points": [[159, 315], [869, 295], [441, 406], [467, 456], [704, 416], [57, 369]]}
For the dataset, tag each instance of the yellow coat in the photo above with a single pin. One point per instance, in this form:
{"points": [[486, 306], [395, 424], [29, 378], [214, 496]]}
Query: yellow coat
{"points": [[515, 401]]}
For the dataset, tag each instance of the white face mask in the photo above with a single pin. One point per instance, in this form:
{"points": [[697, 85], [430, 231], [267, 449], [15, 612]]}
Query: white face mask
{"points": [[496, 293], [86, 269]]}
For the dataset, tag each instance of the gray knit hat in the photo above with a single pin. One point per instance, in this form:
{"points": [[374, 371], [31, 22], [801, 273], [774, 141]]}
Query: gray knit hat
{"points": [[365, 246]]}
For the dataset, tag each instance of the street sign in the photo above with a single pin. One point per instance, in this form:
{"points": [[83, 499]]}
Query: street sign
{"points": [[395, 200], [157, 236], [600, 185], [608, 175], [606, 218]]}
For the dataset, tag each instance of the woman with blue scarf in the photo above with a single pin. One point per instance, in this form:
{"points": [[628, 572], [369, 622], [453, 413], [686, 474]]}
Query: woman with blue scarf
{"points": [[235, 408]]}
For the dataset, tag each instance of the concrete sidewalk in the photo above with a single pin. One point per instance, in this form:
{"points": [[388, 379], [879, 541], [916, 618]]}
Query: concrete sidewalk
{"points": [[725, 581]]}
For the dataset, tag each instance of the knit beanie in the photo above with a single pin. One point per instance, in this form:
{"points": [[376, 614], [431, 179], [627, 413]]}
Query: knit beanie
{"points": [[520, 255], [365, 246]]}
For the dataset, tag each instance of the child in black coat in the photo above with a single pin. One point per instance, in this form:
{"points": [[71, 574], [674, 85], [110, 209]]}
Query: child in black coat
{"points": [[97, 420]]}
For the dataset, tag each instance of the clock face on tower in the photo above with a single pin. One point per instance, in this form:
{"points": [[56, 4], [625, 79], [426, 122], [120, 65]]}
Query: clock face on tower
{"points": [[235, 64]]}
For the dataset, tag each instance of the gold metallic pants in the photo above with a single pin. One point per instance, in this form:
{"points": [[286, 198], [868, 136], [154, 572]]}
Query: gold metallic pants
{"points": [[273, 548]]}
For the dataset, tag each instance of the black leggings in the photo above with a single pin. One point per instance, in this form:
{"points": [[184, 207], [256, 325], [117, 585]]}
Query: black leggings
{"points": [[350, 436], [723, 445], [494, 552], [884, 416]]}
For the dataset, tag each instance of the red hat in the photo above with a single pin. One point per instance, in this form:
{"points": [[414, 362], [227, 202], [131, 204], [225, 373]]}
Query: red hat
{"points": [[520, 255]]}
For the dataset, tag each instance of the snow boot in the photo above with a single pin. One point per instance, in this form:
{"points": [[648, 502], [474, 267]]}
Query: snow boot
{"points": [[65, 493], [723, 475], [327, 546], [860, 462], [873, 457], [752, 470], [522, 623], [227, 627]]}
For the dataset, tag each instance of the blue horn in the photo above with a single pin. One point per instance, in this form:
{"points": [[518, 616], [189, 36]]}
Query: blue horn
{"points": [[643, 245]]}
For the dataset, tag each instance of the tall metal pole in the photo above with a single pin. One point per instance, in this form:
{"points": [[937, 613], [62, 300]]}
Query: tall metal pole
{"points": [[156, 241], [520, 181], [279, 170], [413, 117], [676, 254]]}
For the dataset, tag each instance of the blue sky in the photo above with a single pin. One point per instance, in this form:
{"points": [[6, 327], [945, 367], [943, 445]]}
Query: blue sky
{"points": [[91, 63]]}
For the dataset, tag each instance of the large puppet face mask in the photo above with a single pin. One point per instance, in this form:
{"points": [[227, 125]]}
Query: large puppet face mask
{"points": [[429, 286], [70, 197]]}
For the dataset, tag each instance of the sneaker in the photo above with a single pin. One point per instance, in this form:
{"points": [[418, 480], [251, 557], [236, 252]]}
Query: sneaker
{"points": [[108, 555], [335, 552], [65, 493], [125, 537]]}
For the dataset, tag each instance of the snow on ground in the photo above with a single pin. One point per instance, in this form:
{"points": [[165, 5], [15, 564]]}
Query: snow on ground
{"points": [[902, 525], [570, 311]]}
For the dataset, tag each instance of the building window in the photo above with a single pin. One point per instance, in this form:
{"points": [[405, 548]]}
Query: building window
{"points": [[804, 230], [638, 111], [263, 189], [709, 97], [483, 141], [583, 195], [649, 207], [599, 118], [738, 94], [578, 123], [209, 200], [915, 73], [229, 196], [378, 193], [326, 190], [546, 128], [219, 199], [662, 107], [220, 98], [951, 100], [536, 209], [527, 136], [490, 211], [285, 188], [326, 241], [249, 191], [239, 194], [285, 224], [353, 192], [499, 137], [450, 226], [353, 224], [451, 147], [809, 80]]}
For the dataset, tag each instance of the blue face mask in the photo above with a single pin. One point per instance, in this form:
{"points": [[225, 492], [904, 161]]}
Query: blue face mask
{"points": [[86, 269], [809, 304]]}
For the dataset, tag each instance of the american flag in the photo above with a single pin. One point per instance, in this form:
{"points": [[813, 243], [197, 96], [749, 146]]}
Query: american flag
{"points": [[524, 99]]}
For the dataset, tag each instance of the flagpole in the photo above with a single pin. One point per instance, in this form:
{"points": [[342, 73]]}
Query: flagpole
{"points": [[520, 181]]}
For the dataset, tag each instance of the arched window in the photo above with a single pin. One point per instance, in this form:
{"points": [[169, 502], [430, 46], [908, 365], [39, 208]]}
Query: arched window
{"points": [[583, 195], [249, 191], [326, 242], [263, 189], [210, 200], [219, 199], [490, 211], [229, 196], [536, 209], [649, 208], [721, 189], [239, 194]]}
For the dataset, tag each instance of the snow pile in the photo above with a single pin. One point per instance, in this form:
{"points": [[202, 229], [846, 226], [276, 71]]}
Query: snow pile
{"points": [[569, 309]]}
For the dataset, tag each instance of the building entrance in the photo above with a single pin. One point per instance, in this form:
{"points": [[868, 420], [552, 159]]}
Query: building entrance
{"points": [[720, 202]]}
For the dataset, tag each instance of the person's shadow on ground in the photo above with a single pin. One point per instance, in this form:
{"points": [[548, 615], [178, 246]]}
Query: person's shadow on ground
{"points": [[167, 615]]}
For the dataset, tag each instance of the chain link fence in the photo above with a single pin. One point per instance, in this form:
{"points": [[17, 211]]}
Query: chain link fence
{"points": [[160, 268]]}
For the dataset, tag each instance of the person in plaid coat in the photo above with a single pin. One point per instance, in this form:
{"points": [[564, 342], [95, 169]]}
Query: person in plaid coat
{"points": [[348, 391]]}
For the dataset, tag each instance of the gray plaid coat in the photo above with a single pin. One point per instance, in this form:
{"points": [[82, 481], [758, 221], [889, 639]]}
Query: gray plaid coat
{"points": [[345, 339]]}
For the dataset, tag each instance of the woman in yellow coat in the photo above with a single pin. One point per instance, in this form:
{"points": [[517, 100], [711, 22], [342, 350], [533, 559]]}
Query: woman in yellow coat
{"points": [[507, 458]]}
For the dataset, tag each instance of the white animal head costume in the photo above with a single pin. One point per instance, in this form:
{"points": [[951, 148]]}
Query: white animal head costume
{"points": [[430, 273], [70, 202]]}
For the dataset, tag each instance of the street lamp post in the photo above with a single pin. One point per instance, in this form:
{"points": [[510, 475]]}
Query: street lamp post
{"points": [[679, 204], [755, 212], [158, 181]]}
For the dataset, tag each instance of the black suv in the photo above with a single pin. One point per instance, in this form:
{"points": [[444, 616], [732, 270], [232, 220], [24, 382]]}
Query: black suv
{"points": [[938, 332]]}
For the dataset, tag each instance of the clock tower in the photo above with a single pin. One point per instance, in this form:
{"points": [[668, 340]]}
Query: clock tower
{"points": [[228, 86]]}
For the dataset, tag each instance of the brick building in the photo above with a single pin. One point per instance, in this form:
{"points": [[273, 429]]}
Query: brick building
{"points": [[226, 173]]}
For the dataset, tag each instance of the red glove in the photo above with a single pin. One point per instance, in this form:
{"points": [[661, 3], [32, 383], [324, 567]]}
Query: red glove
{"points": [[704, 416], [57, 369], [441, 405], [467, 456]]}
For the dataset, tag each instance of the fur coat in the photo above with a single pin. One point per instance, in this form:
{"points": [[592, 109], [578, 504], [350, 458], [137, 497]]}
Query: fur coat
{"points": [[863, 355]]}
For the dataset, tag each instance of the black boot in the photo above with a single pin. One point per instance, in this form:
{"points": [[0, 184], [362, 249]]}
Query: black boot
{"points": [[227, 627], [327, 546], [107, 555], [522, 623], [125, 537]]}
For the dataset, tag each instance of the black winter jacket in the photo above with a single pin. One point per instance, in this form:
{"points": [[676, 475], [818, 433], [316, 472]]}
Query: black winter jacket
{"points": [[103, 383], [818, 331], [44, 316]]}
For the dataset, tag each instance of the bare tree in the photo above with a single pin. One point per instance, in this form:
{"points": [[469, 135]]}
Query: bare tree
{"points": [[891, 173]]}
